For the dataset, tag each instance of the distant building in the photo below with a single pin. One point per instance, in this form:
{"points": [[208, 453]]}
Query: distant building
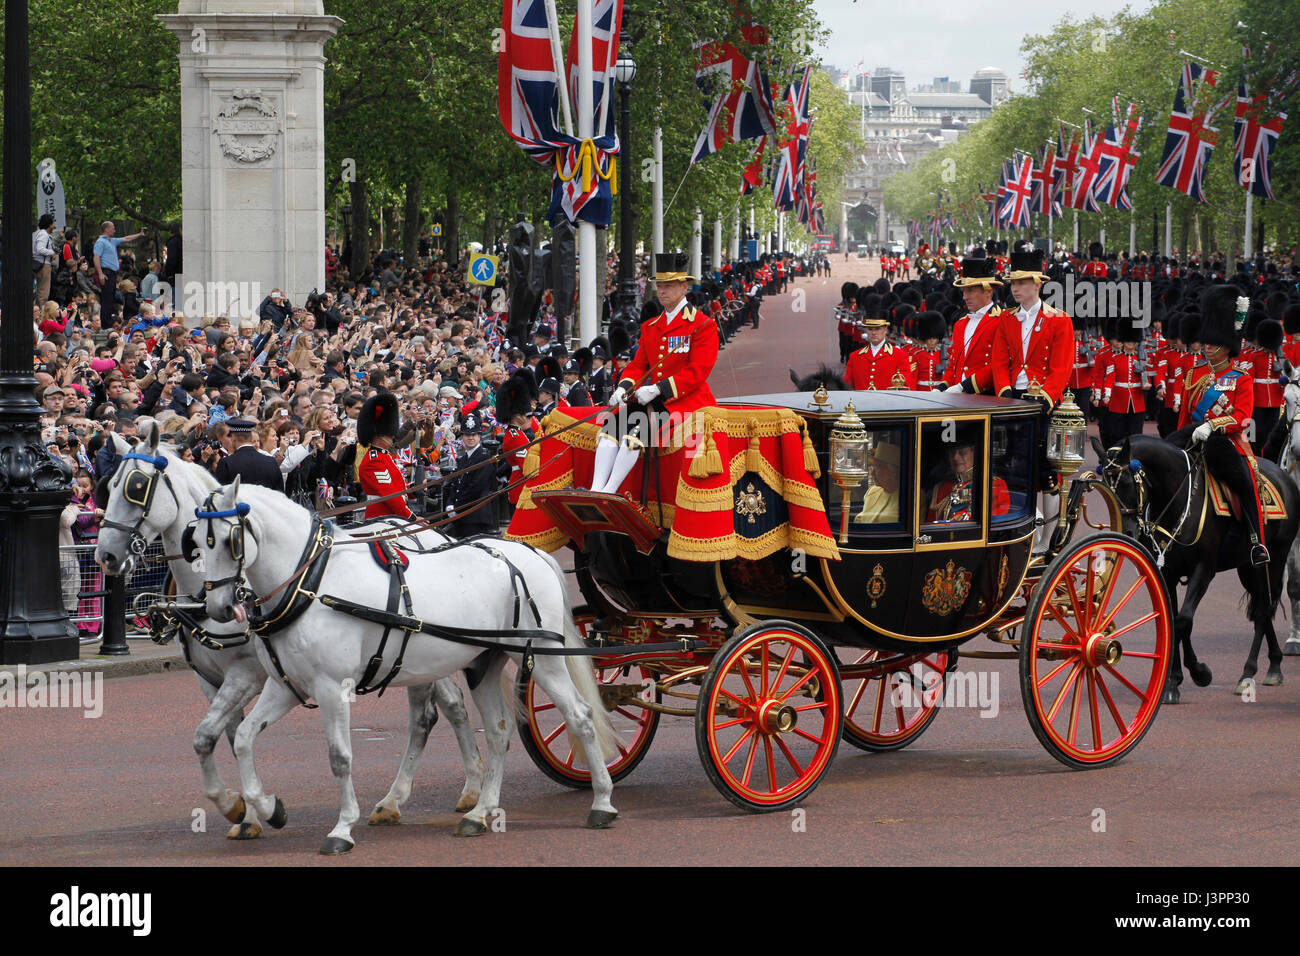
{"points": [[990, 84]]}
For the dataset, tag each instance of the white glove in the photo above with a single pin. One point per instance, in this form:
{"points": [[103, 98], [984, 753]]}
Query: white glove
{"points": [[451, 511], [1243, 304], [647, 394], [618, 397], [1203, 431], [953, 388]]}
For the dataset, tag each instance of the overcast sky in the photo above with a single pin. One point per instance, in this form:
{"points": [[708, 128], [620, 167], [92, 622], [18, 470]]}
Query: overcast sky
{"points": [[926, 39]]}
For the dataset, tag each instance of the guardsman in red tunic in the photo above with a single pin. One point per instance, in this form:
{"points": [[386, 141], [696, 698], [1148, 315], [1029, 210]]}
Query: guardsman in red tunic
{"points": [[1268, 380], [1218, 400], [1037, 341], [1101, 361], [1081, 370], [377, 468], [674, 357], [846, 317], [514, 399], [1124, 389], [878, 365], [1291, 325], [1095, 268], [927, 354], [970, 361]]}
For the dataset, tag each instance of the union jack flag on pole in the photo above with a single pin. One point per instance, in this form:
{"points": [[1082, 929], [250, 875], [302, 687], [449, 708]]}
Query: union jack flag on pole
{"points": [[744, 108], [1086, 170], [1019, 192], [1253, 143], [1046, 198], [1191, 139], [793, 145]]}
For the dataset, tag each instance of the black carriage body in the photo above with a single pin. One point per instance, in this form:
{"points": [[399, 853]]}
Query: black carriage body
{"points": [[913, 581]]}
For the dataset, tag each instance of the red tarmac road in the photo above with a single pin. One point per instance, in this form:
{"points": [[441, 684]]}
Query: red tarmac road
{"points": [[1213, 783]]}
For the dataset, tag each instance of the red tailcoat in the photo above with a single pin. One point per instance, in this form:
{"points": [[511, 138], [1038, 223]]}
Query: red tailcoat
{"points": [[678, 356], [1048, 359], [866, 371], [976, 361]]}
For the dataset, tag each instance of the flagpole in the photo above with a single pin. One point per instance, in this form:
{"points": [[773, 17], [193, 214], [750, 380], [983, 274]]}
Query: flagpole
{"points": [[697, 243], [1075, 249], [557, 58], [717, 244], [1169, 229], [1132, 232], [587, 315], [657, 191], [1247, 246], [735, 234]]}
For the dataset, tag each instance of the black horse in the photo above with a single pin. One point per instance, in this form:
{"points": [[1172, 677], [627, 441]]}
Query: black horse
{"points": [[1161, 490]]}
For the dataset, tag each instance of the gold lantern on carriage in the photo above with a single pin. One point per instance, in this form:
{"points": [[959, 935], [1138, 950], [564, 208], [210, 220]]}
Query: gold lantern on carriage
{"points": [[848, 460]]}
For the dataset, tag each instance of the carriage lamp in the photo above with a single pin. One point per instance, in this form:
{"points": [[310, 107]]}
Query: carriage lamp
{"points": [[1066, 429], [848, 460]]}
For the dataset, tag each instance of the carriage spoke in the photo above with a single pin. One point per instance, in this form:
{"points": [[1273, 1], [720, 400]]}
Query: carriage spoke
{"points": [[738, 744], [1152, 657], [628, 714], [780, 675], [771, 764], [541, 707], [1069, 631], [749, 761], [817, 706], [1089, 591], [766, 664], [1096, 717], [799, 683], [880, 705], [857, 697], [1128, 596], [568, 761], [1075, 701], [1074, 598], [1060, 695], [743, 703], [1110, 704], [1125, 681], [798, 770], [1110, 589], [1136, 624], [555, 733], [730, 723], [1056, 670], [808, 736], [743, 670]]}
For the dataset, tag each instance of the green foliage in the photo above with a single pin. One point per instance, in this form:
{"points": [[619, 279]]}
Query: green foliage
{"points": [[1135, 56]]}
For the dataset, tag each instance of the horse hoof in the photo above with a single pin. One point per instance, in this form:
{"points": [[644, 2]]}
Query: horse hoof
{"points": [[244, 831], [237, 810], [1201, 675], [335, 846], [1272, 679], [385, 817], [1244, 685], [467, 802], [1292, 649], [470, 828], [601, 819], [280, 816], [1171, 695]]}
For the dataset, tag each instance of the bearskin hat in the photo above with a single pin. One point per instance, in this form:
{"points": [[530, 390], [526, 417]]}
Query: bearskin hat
{"points": [[529, 376], [931, 325], [583, 358], [513, 398], [619, 339], [881, 285], [1276, 305], [848, 291], [1269, 335], [1291, 319], [549, 367], [870, 305], [1218, 318], [378, 416], [1128, 332]]}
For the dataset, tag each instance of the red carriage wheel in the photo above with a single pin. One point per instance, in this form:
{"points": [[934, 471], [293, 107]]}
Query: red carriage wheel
{"points": [[889, 711], [768, 720], [1095, 651], [544, 729]]}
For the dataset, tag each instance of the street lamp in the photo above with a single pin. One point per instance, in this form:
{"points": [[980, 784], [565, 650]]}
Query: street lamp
{"points": [[625, 298], [34, 486]]}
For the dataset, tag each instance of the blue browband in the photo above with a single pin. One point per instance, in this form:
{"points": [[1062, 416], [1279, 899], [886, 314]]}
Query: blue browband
{"points": [[239, 511], [158, 461]]}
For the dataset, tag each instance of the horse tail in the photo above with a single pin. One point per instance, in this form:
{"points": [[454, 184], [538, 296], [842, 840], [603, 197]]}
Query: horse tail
{"points": [[584, 679]]}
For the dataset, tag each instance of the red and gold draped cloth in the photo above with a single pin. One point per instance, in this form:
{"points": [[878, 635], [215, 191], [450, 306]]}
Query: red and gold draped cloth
{"points": [[728, 482]]}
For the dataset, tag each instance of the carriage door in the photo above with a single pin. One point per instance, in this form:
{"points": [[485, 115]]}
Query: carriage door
{"points": [[954, 498]]}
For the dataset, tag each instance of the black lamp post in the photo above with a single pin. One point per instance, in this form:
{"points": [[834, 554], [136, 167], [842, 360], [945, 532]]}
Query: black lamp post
{"points": [[625, 298], [34, 486]]}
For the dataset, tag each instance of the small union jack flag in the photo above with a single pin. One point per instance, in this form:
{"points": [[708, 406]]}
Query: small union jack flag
{"points": [[1191, 139], [1253, 143]]}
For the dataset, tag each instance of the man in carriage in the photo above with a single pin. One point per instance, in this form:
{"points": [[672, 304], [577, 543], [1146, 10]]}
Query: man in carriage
{"points": [[953, 497]]}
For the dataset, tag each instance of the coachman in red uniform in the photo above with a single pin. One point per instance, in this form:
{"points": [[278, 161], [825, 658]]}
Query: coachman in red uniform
{"points": [[970, 361], [1218, 400], [878, 365], [377, 469]]}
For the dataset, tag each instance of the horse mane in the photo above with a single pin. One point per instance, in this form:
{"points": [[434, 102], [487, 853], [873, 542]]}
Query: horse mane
{"points": [[825, 375]]}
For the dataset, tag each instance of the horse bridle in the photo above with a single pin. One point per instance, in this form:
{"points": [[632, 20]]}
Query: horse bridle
{"points": [[138, 488], [239, 531], [1147, 527]]}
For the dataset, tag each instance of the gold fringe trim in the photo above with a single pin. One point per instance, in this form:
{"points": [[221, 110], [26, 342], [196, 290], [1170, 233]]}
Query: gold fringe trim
{"points": [[550, 540], [734, 546], [738, 423], [532, 462]]}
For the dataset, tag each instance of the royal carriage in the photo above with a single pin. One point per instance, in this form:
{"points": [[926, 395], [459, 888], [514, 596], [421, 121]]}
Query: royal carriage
{"points": [[790, 572]]}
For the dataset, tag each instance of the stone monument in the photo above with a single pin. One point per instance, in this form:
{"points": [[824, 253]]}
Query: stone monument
{"points": [[252, 151]]}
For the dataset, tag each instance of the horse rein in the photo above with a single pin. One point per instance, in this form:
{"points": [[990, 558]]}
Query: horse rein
{"points": [[1148, 527]]}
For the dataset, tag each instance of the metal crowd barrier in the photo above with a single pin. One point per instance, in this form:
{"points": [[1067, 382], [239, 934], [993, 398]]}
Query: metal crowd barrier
{"points": [[88, 594]]}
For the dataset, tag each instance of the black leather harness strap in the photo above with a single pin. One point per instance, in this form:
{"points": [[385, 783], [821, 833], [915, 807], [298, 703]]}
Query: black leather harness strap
{"points": [[396, 587]]}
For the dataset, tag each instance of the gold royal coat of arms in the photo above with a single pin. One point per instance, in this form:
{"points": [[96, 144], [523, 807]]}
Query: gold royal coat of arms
{"points": [[945, 589]]}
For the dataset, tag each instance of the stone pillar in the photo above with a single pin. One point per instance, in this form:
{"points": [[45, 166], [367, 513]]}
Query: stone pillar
{"points": [[252, 149]]}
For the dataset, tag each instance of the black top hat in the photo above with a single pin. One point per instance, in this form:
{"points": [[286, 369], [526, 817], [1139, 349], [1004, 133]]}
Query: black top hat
{"points": [[1026, 263], [978, 272], [378, 417], [672, 267]]}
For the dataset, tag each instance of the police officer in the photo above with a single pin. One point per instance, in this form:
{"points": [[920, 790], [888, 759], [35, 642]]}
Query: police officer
{"points": [[246, 462], [574, 392], [471, 487]]}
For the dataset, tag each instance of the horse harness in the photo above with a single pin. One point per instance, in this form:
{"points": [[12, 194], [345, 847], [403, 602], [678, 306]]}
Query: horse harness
{"points": [[138, 488], [1147, 527], [306, 582]]}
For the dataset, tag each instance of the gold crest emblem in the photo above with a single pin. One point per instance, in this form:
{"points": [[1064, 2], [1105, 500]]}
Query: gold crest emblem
{"points": [[1004, 572], [945, 589], [750, 502], [876, 584]]}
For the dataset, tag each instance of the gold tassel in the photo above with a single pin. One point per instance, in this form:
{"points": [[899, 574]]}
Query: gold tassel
{"points": [[699, 465], [613, 175], [753, 457], [714, 458], [810, 461]]}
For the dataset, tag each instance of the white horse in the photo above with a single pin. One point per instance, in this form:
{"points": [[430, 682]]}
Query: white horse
{"points": [[259, 539], [1290, 460], [164, 500]]}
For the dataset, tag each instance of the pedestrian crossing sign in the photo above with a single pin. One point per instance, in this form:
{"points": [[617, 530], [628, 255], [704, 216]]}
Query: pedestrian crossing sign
{"points": [[483, 269], [436, 230]]}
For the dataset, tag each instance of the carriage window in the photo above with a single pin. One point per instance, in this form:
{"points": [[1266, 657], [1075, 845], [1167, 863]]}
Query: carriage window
{"points": [[952, 480], [878, 504], [1013, 461]]}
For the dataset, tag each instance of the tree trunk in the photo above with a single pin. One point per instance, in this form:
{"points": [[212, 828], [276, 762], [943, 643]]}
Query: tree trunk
{"points": [[451, 229], [1212, 243], [360, 229], [1185, 233], [411, 221]]}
